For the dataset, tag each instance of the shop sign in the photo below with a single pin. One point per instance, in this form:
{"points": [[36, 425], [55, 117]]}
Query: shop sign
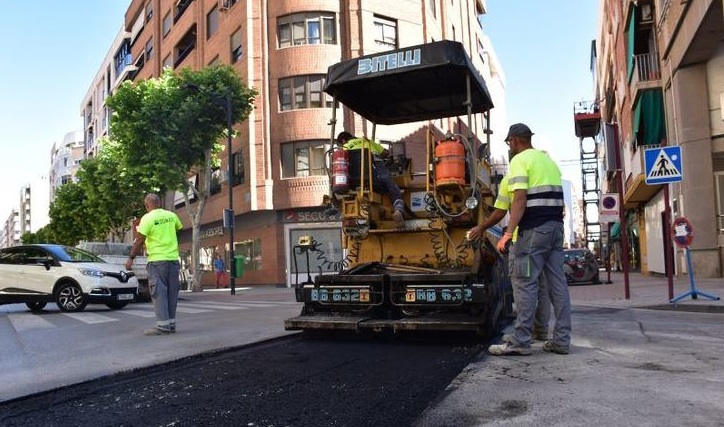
{"points": [[211, 232], [309, 216]]}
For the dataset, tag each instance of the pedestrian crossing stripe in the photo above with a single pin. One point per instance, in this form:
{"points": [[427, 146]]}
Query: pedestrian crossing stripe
{"points": [[663, 165]]}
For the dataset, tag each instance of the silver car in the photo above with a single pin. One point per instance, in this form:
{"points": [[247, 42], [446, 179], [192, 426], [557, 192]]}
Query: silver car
{"points": [[70, 277]]}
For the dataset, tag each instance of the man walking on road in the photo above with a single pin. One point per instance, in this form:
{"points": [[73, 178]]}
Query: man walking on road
{"points": [[537, 212], [157, 230]]}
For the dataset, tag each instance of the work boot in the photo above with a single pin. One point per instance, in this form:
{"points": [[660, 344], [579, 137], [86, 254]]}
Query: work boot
{"points": [[156, 331], [399, 218], [552, 347], [540, 335], [509, 349]]}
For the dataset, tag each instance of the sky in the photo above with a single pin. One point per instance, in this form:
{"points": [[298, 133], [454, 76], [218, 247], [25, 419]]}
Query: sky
{"points": [[544, 47], [52, 51]]}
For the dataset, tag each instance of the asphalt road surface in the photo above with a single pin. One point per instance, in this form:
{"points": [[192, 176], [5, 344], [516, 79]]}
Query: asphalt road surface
{"points": [[300, 380]]}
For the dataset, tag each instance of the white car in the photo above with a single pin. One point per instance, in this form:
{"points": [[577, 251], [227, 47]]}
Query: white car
{"points": [[70, 277]]}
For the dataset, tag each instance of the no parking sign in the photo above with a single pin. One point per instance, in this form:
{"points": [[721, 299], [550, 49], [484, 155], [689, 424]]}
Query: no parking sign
{"points": [[683, 232]]}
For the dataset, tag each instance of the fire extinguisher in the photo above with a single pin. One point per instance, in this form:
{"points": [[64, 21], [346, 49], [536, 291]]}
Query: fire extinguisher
{"points": [[340, 171]]}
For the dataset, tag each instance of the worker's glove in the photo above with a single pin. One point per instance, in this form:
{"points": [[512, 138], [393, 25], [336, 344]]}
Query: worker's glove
{"points": [[504, 242], [474, 233]]}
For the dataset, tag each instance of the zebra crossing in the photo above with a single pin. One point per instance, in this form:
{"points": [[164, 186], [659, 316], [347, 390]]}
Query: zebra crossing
{"points": [[27, 321]]}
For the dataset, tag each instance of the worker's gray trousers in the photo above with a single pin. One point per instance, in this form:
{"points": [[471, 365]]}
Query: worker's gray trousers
{"points": [[543, 308], [539, 252], [164, 285]]}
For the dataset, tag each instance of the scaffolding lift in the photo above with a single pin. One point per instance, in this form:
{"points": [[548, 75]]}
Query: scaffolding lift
{"points": [[587, 118]]}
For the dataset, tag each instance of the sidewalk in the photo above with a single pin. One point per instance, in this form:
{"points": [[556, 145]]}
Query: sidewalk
{"points": [[650, 291]]}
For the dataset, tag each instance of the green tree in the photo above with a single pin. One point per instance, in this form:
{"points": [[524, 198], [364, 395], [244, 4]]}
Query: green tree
{"points": [[113, 195], [70, 219], [43, 235], [169, 128]]}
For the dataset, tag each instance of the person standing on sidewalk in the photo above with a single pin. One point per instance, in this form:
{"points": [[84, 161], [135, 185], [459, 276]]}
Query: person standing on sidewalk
{"points": [[543, 308], [537, 212], [157, 230], [219, 271]]}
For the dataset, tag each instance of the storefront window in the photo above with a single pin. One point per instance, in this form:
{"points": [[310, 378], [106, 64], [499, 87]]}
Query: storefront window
{"points": [[251, 251], [327, 255]]}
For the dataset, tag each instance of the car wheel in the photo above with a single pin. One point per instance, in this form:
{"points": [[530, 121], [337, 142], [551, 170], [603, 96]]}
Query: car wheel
{"points": [[36, 307], [116, 305], [69, 297]]}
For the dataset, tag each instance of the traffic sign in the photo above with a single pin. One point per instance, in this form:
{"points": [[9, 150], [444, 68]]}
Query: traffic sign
{"points": [[608, 208], [683, 232], [663, 165]]}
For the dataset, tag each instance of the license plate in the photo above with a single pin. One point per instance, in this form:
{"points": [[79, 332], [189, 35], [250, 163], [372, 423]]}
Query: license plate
{"points": [[340, 295], [438, 295], [125, 296]]}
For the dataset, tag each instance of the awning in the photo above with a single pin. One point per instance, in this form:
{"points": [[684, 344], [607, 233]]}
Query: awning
{"points": [[631, 33], [649, 113]]}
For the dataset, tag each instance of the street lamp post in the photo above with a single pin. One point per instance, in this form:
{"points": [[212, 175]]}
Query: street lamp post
{"points": [[230, 211]]}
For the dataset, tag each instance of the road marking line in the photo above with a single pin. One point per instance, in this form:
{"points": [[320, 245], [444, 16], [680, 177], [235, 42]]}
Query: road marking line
{"points": [[90, 318], [216, 306], [28, 321], [139, 313], [189, 310]]}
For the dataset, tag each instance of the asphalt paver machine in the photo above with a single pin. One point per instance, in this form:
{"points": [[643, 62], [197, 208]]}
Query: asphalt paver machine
{"points": [[425, 275]]}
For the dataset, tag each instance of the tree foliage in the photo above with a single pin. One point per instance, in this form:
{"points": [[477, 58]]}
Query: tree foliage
{"points": [[170, 127], [113, 195], [70, 219]]}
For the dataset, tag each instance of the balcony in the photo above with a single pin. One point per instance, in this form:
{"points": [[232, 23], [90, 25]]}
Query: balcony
{"points": [[636, 192], [646, 72]]}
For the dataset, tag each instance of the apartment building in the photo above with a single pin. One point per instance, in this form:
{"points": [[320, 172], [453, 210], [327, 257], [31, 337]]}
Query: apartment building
{"points": [[34, 205], [660, 80], [65, 158], [283, 49], [10, 232]]}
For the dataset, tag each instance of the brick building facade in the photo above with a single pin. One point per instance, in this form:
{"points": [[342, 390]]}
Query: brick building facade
{"points": [[283, 49]]}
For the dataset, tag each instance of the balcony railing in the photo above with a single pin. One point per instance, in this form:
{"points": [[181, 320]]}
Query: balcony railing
{"points": [[646, 67]]}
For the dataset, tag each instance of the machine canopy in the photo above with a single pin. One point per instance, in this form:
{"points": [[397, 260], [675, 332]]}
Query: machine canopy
{"points": [[415, 83]]}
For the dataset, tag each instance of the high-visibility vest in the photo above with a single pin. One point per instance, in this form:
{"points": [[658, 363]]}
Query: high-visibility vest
{"points": [[535, 172]]}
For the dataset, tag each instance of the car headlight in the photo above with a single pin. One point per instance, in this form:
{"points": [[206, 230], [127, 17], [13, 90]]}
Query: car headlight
{"points": [[92, 272]]}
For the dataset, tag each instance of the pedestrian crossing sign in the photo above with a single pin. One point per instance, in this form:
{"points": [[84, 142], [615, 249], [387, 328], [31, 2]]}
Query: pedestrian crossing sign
{"points": [[663, 165]]}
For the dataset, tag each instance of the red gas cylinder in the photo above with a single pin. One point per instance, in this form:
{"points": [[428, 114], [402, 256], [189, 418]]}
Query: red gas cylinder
{"points": [[340, 171], [450, 166]]}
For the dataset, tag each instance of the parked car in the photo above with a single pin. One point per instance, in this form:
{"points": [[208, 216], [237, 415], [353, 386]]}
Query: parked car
{"points": [[580, 266], [70, 277], [117, 253]]}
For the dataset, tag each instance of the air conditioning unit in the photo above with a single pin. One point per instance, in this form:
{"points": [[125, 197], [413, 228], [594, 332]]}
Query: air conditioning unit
{"points": [[224, 4], [647, 13]]}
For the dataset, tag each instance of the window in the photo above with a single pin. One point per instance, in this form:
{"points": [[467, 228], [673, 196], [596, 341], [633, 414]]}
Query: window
{"points": [[215, 186], [306, 28], [303, 92], [167, 61], [385, 32], [214, 61], [149, 49], [433, 8], [238, 168], [181, 6], [330, 241], [303, 158], [251, 251], [167, 24], [212, 22], [236, 46], [149, 12], [185, 46]]}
